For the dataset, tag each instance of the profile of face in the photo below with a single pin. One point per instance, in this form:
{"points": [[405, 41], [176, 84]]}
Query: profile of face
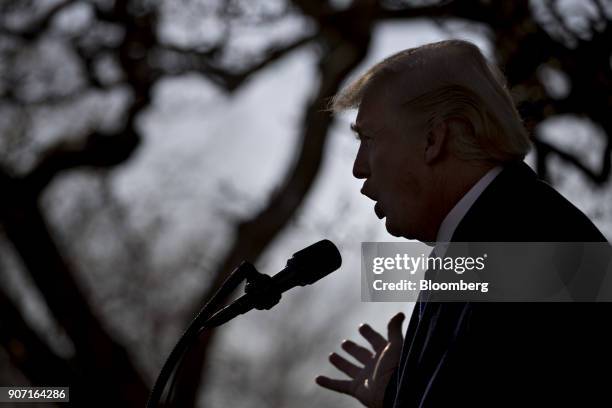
{"points": [[393, 164]]}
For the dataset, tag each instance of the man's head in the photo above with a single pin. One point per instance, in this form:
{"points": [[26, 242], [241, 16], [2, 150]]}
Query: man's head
{"points": [[432, 120]]}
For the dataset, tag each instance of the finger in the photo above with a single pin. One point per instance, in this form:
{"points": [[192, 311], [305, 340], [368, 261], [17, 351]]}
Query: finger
{"points": [[344, 365], [373, 337], [362, 354], [394, 329], [342, 386]]}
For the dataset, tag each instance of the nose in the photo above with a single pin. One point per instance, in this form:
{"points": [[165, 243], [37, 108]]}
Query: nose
{"points": [[361, 168]]}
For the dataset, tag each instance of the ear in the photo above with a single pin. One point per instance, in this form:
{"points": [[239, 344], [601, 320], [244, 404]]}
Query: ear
{"points": [[435, 141]]}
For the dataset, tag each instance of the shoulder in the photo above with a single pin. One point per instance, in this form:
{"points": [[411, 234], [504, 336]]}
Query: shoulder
{"points": [[517, 206]]}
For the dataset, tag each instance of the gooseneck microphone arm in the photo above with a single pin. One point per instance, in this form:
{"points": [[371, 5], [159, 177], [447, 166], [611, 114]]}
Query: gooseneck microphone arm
{"points": [[261, 292]]}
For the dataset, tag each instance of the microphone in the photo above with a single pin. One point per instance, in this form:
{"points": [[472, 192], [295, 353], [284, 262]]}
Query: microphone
{"points": [[305, 267], [308, 265]]}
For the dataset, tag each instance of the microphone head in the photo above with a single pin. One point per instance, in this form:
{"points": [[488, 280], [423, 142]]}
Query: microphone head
{"points": [[315, 261]]}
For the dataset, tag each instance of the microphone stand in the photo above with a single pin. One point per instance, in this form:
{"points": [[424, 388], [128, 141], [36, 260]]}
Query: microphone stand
{"points": [[263, 294]]}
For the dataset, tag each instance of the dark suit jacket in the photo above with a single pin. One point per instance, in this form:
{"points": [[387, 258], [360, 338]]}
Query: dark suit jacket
{"points": [[510, 354]]}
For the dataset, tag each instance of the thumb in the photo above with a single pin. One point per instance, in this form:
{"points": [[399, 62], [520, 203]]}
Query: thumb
{"points": [[394, 328]]}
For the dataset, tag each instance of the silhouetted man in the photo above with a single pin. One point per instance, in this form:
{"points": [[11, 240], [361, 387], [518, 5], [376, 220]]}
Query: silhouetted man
{"points": [[441, 153]]}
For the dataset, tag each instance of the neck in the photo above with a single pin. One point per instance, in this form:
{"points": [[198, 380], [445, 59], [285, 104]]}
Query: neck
{"points": [[451, 184]]}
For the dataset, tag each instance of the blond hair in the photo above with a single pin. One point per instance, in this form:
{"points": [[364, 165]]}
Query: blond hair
{"points": [[450, 79]]}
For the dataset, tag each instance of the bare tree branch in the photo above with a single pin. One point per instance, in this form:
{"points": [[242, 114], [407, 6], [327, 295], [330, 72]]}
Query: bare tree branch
{"points": [[548, 148], [30, 354], [570, 35], [98, 150], [39, 26], [97, 353], [187, 60], [468, 9]]}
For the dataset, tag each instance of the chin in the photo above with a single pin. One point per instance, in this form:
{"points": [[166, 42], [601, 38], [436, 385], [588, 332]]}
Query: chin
{"points": [[393, 229], [397, 231]]}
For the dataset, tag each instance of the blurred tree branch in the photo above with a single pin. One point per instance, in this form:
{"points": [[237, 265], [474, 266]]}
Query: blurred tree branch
{"points": [[179, 60], [38, 26], [97, 354], [27, 351]]}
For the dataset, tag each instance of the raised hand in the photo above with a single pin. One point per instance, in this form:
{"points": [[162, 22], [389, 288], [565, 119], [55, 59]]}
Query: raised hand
{"points": [[368, 382]]}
